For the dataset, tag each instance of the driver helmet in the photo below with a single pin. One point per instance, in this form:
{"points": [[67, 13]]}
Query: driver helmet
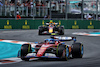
{"points": [[52, 42]]}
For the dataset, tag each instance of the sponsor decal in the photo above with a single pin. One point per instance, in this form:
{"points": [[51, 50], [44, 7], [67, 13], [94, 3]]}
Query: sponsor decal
{"points": [[25, 26], [7, 26], [90, 26], [59, 22], [75, 26], [43, 22]]}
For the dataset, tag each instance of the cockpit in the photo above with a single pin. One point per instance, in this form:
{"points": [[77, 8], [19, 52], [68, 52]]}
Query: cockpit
{"points": [[50, 41], [51, 25]]}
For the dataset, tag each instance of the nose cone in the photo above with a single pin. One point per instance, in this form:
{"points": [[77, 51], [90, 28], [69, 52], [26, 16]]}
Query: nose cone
{"points": [[39, 55], [50, 30]]}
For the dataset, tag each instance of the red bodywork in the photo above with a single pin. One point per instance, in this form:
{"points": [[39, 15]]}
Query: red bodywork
{"points": [[43, 47], [50, 29]]}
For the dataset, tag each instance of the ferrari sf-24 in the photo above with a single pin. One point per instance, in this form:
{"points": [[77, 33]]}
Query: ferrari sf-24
{"points": [[52, 48]]}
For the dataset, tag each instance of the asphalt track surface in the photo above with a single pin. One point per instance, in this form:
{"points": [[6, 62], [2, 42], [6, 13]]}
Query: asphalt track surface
{"points": [[91, 56]]}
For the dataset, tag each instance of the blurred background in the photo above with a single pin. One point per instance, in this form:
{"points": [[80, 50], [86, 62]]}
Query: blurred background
{"points": [[50, 9]]}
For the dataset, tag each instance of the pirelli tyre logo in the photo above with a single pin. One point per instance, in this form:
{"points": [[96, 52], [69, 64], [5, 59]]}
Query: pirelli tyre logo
{"points": [[75, 26], [26, 26], [7, 26], [90, 26]]}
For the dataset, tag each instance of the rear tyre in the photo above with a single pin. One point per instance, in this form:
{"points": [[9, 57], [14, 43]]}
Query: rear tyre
{"points": [[40, 31], [63, 52], [61, 31], [77, 50], [25, 49]]}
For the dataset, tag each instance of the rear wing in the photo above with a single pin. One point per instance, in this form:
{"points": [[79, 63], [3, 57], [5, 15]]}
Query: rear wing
{"points": [[53, 23]]}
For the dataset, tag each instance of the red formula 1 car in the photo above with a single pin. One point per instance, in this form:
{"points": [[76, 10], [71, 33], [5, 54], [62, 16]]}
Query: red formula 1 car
{"points": [[52, 48]]}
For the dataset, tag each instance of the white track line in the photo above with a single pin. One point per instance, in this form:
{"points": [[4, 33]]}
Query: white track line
{"points": [[86, 34]]}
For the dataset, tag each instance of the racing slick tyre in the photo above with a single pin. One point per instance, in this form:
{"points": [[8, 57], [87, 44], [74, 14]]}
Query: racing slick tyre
{"points": [[63, 52], [61, 31], [25, 49], [77, 50], [40, 31]]}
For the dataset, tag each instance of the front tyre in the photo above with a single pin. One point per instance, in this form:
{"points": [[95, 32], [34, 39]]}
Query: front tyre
{"points": [[63, 52], [25, 49], [40, 32], [77, 50]]}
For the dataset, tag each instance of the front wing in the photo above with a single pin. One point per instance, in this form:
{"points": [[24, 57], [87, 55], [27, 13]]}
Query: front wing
{"points": [[41, 57], [47, 55], [47, 33]]}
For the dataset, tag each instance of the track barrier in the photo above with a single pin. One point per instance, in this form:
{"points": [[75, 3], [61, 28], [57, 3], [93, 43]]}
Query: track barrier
{"points": [[33, 24]]}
